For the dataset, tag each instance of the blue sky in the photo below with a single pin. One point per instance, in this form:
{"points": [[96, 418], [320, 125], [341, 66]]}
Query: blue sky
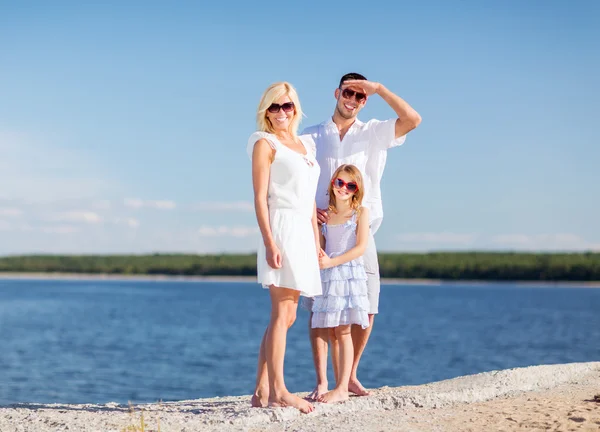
{"points": [[123, 125]]}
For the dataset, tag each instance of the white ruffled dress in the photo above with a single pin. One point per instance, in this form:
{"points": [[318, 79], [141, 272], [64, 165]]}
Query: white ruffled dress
{"points": [[344, 300], [291, 201]]}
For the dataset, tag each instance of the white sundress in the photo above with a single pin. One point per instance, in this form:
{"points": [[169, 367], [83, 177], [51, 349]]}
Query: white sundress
{"points": [[344, 300], [292, 188]]}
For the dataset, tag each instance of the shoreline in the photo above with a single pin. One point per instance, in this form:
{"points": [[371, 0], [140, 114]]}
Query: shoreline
{"points": [[546, 397], [247, 279]]}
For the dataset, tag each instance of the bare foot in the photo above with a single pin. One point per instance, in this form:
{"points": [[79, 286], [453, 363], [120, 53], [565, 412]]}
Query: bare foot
{"points": [[335, 395], [260, 399], [357, 388], [290, 400], [317, 392]]}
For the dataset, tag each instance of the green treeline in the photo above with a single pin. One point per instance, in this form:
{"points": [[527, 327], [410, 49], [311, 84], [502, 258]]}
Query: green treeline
{"points": [[443, 265]]}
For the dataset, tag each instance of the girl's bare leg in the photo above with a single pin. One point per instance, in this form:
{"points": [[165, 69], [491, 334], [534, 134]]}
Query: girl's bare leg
{"points": [[260, 398], [284, 304], [360, 337], [318, 341], [346, 358], [335, 354]]}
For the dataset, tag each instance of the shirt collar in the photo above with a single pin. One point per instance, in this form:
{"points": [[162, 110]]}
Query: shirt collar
{"points": [[329, 123]]}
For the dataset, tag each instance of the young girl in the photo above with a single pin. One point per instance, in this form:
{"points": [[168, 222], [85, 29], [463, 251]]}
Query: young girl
{"points": [[344, 301]]}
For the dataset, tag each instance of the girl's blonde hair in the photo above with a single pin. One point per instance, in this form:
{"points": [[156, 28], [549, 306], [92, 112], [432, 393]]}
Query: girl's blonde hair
{"points": [[272, 94], [356, 176]]}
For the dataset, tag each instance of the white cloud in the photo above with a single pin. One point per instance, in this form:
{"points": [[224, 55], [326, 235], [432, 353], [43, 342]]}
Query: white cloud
{"points": [[547, 242], [77, 216], [10, 212], [4, 225], [136, 203], [227, 231], [59, 229], [129, 221], [101, 205], [438, 238], [245, 206]]}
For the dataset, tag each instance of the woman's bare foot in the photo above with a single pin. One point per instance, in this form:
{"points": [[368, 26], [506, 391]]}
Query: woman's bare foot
{"points": [[335, 395], [290, 400], [357, 388], [317, 392], [260, 399]]}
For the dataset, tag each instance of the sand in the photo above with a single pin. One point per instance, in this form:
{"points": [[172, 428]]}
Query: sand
{"points": [[537, 398]]}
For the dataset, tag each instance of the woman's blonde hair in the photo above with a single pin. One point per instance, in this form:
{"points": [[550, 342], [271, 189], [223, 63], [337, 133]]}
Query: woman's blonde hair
{"points": [[356, 176], [272, 94]]}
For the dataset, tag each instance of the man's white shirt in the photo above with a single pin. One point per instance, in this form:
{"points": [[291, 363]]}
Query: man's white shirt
{"points": [[365, 145]]}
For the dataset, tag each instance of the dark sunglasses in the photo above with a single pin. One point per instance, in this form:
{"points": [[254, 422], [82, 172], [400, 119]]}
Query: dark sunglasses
{"points": [[338, 183], [347, 93], [286, 107]]}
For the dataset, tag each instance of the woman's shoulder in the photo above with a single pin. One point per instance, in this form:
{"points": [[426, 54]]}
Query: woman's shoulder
{"points": [[256, 137]]}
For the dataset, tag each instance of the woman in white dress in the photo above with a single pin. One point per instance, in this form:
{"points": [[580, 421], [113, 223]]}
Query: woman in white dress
{"points": [[284, 175]]}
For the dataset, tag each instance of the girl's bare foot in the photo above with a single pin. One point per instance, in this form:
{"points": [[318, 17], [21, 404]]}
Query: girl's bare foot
{"points": [[317, 392], [335, 395], [357, 388], [260, 399], [289, 400]]}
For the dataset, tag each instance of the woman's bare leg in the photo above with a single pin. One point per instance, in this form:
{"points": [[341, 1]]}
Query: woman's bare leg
{"points": [[318, 342], [284, 304], [260, 398]]}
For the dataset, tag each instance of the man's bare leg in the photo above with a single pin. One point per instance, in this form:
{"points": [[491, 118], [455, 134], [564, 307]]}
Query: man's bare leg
{"points": [[360, 337], [318, 343], [260, 398]]}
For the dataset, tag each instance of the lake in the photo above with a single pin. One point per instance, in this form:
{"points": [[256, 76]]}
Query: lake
{"points": [[80, 341]]}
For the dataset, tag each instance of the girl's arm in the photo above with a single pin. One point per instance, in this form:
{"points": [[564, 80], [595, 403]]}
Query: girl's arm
{"points": [[362, 239], [262, 156]]}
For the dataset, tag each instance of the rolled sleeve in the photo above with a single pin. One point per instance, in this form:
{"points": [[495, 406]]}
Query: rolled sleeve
{"points": [[383, 134]]}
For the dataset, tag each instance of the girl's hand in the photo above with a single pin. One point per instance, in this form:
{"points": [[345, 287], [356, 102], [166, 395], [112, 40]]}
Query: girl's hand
{"points": [[274, 257], [322, 216], [320, 253], [325, 262]]}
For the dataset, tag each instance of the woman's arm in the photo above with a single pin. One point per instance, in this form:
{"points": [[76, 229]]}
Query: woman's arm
{"points": [[362, 239], [262, 157], [315, 225]]}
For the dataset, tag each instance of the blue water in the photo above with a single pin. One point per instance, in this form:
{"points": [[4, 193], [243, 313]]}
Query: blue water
{"points": [[101, 341]]}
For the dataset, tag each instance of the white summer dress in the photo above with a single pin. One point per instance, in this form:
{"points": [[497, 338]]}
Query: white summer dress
{"points": [[291, 200], [344, 300]]}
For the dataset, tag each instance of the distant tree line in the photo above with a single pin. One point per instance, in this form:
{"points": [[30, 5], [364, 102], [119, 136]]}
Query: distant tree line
{"points": [[443, 265]]}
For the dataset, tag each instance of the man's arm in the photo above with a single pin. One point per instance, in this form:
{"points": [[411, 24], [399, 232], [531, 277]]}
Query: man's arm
{"points": [[408, 118]]}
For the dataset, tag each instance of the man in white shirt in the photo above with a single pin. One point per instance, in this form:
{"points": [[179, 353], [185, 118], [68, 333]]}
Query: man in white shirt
{"points": [[344, 139]]}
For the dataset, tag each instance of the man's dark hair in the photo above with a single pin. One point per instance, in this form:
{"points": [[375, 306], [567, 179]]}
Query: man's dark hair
{"points": [[352, 76]]}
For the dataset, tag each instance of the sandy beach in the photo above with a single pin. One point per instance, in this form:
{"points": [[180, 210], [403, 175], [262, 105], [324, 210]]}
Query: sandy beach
{"points": [[537, 398]]}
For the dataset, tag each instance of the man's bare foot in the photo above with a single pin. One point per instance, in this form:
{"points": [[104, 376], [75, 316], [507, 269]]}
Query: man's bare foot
{"points": [[335, 395], [357, 388], [260, 399], [290, 400], [317, 392]]}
